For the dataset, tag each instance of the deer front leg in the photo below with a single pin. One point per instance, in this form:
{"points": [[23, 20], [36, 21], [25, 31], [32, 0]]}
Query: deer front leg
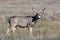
{"points": [[30, 30]]}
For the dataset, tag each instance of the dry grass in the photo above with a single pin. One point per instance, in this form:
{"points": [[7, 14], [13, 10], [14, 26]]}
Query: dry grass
{"points": [[46, 29], [43, 30]]}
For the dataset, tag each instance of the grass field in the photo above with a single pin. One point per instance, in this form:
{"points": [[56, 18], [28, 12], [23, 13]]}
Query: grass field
{"points": [[43, 30], [47, 28]]}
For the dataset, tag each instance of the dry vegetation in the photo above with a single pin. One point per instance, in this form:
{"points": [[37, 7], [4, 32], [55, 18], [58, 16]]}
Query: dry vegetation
{"points": [[48, 28]]}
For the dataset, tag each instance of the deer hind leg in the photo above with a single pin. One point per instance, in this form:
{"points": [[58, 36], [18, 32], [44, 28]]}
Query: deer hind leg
{"points": [[8, 30], [12, 29]]}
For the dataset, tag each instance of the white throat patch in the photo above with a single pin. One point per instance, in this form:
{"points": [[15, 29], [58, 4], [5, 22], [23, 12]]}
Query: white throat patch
{"points": [[39, 16]]}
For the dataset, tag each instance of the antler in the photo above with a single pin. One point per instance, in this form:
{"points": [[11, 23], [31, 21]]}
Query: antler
{"points": [[43, 10], [33, 11]]}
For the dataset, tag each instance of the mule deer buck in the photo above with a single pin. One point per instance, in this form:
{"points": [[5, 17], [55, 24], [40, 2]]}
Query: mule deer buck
{"points": [[23, 21]]}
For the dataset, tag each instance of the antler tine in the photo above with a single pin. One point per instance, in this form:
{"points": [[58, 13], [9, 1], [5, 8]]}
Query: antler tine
{"points": [[32, 9], [44, 8]]}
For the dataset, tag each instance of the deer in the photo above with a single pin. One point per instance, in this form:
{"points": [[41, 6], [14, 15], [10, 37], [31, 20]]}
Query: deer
{"points": [[24, 21]]}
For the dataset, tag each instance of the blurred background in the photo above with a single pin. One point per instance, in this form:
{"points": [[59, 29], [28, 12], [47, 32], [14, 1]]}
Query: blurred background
{"points": [[48, 27]]}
